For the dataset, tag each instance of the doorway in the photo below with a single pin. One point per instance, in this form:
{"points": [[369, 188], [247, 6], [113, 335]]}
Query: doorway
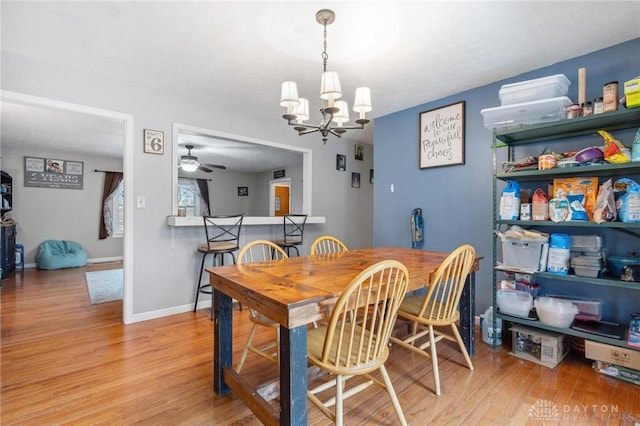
{"points": [[43, 105], [279, 197]]}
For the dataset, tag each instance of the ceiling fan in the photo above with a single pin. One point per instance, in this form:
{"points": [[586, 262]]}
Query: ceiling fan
{"points": [[190, 163]]}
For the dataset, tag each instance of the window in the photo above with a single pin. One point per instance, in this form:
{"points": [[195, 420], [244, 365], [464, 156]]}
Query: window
{"points": [[189, 197], [117, 209]]}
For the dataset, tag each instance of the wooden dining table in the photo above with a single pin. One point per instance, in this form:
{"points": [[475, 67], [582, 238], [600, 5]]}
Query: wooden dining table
{"points": [[296, 292]]}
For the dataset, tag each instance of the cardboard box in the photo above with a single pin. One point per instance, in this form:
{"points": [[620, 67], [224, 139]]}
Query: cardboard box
{"points": [[623, 357], [540, 346], [622, 373]]}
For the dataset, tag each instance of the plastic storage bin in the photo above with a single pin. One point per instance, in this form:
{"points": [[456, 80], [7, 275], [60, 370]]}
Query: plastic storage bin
{"points": [[514, 302], [588, 309], [586, 243], [518, 115], [556, 312], [522, 254], [553, 86], [587, 266]]}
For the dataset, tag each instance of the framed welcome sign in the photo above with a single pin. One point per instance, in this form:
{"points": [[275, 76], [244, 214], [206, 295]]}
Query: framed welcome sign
{"points": [[441, 136]]}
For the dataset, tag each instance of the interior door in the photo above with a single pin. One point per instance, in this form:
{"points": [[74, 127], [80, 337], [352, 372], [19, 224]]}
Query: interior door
{"points": [[282, 200]]}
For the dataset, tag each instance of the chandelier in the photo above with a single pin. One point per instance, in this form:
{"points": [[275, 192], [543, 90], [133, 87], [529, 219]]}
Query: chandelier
{"points": [[335, 113]]}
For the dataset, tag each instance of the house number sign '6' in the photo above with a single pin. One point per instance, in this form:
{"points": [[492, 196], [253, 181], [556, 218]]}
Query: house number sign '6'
{"points": [[153, 141]]}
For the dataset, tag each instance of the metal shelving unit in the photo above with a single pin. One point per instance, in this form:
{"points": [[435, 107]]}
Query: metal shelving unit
{"points": [[550, 133]]}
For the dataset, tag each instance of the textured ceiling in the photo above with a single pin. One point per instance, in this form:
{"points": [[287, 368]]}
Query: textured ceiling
{"points": [[238, 53]]}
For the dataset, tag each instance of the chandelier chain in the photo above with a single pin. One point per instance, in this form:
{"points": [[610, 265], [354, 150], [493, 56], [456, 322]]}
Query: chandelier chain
{"points": [[325, 55], [334, 113]]}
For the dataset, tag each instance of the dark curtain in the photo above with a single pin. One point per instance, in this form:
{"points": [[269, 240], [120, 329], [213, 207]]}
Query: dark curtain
{"points": [[111, 182], [203, 186]]}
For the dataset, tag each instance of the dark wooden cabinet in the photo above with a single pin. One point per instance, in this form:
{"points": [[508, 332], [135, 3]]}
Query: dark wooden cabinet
{"points": [[6, 189], [8, 249]]}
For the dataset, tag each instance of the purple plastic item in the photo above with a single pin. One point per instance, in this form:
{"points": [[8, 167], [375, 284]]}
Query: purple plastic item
{"points": [[589, 155]]}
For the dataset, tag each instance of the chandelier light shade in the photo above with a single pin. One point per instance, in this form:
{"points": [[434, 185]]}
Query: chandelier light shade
{"points": [[330, 89], [362, 102], [334, 113], [342, 116], [302, 110], [289, 95]]}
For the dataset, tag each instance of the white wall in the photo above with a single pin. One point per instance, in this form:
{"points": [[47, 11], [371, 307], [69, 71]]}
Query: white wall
{"points": [[61, 214], [165, 263]]}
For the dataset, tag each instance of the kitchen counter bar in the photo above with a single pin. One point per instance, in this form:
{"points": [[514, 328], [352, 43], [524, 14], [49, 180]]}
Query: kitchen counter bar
{"points": [[248, 220]]}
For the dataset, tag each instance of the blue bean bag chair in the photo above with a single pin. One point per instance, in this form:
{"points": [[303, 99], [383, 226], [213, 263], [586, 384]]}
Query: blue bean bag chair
{"points": [[55, 254]]}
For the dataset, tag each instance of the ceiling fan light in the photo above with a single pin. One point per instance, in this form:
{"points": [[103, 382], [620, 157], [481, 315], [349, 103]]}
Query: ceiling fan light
{"points": [[189, 167]]}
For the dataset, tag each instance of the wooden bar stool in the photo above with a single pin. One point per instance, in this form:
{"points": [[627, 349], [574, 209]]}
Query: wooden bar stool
{"points": [[223, 237]]}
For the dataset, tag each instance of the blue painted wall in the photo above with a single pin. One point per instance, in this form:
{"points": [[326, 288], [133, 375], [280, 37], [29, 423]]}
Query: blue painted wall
{"points": [[457, 200]]}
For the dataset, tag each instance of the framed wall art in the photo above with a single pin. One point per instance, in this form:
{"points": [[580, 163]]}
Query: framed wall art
{"points": [[441, 136], [355, 180], [53, 173], [359, 152], [153, 141], [341, 162], [243, 191]]}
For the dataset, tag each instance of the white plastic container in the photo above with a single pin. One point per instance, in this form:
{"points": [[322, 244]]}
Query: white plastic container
{"points": [[514, 302], [553, 86], [588, 309], [555, 312], [487, 328], [522, 114], [522, 254]]}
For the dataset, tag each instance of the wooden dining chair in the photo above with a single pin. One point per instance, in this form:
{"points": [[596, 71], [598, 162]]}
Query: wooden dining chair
{"points": [[438, 308], [260, 251], [354, 341], [327, 244]]}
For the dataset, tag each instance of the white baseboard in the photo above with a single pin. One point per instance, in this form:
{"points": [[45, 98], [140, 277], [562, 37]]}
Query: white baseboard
{"points": [[146, 316], [105, 259], [89, 261]]}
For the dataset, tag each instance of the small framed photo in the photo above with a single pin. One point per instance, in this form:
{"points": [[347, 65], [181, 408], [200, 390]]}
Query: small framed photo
{"points": [[243, 191], [341, 162], [359, 152], [370, 175], [355, 180], [153, 141]]}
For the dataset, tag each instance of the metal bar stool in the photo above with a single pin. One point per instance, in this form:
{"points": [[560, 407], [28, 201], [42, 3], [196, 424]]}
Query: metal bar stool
{"points": [[293, 231], [223, 237]]}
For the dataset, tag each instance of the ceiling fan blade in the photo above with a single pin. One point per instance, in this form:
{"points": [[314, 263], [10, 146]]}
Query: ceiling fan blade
{"points": [[204, 169], [214, 166]]}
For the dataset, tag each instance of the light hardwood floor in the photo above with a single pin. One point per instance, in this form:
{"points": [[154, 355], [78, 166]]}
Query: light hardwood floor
{"points": [[65, 361]]}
